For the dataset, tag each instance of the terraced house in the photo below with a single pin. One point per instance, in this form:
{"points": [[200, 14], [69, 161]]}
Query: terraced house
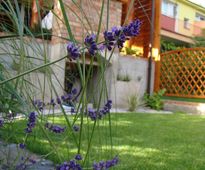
{"points": [[181, 20]]}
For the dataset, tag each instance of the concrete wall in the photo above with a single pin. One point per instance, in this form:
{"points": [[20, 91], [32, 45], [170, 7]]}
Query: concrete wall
{"points": [[137, 70], [118, 90], [33, 52]]}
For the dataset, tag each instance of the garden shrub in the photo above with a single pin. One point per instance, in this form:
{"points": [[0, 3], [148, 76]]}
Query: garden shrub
{"points": [[154, 100]]}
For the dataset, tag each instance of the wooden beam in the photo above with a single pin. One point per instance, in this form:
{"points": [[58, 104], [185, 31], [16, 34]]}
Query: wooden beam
{"points": [[34, 14], [156, 42]]}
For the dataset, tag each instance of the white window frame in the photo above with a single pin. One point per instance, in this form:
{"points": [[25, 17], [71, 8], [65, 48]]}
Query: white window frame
{"points": [[169, 8], [199, 17], [187, 23]]}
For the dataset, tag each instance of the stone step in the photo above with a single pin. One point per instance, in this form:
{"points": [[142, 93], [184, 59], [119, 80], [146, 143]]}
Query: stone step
{"points": [[186, 107]]}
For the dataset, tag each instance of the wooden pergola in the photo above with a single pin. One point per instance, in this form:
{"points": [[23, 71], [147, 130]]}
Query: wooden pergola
{"points": [[149, 12]]}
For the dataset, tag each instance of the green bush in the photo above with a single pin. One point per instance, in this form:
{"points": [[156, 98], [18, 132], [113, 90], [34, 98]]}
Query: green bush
{"points": [[155, 100]]}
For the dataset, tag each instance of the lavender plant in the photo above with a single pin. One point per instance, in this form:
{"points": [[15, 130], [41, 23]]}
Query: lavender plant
{"points": [[80, 117]]}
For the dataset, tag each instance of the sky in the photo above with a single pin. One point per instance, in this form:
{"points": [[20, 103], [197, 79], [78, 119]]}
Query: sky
{"points": [[200, 2]]}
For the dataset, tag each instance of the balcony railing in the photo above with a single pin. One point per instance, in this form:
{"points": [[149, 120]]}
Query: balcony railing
{"points": [[186, 28], [167, 23]]}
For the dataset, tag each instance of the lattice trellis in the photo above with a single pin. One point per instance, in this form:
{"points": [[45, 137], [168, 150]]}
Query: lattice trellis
{"points": [[182, 73]]}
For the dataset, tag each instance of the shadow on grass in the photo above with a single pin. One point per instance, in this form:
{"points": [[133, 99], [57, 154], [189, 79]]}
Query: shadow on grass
{"points": [[142, 141]]}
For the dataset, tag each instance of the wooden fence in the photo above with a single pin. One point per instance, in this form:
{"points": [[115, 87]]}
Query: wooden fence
{"points": [[182, 73]]}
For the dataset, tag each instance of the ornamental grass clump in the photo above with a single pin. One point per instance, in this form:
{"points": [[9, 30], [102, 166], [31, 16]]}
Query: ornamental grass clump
{"points": [[87, 59]]}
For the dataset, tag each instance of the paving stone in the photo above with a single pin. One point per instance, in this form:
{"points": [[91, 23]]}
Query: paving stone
{"points": [[11, 154], [185, 107]]}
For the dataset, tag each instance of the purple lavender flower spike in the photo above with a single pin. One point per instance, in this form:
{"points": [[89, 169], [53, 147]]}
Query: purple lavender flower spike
{"points": [[54, 128], [76, 128], [63, 98], [52, 102], [73, 51], [105, 165], [119, 36], [78, 157], [72, 110], [90, 42], [92, 114], [22, 145], [109, 40], [114, 37], [101, 164], [71, 165], [57, 129], [132, 29], [109, 104], [74, 91], [69, 96], [1, 123], [31, 122], [39, 104], [58, 100]]}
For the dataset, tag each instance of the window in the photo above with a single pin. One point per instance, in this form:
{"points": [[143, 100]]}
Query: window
{"points": [[186, 23], [199, 17], [169, 8]]}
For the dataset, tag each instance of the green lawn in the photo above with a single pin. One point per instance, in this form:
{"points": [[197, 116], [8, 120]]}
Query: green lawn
{"points": [[143, 141], [197, 100]]}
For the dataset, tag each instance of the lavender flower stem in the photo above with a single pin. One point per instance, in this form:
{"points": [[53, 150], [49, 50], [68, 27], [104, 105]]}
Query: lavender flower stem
{"points": [[89, 143], [50, 141], [84, 88]]}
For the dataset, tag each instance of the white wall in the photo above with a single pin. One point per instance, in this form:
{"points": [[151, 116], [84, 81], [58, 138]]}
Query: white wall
{"points": [[137, 70]]}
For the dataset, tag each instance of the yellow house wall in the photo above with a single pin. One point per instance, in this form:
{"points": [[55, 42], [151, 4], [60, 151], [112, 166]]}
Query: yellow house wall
{"points": [[184, 10]]}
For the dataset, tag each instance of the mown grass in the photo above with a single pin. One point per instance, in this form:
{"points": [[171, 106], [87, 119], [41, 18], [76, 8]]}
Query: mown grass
{"points": [[197, 100], [143, 141]]}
